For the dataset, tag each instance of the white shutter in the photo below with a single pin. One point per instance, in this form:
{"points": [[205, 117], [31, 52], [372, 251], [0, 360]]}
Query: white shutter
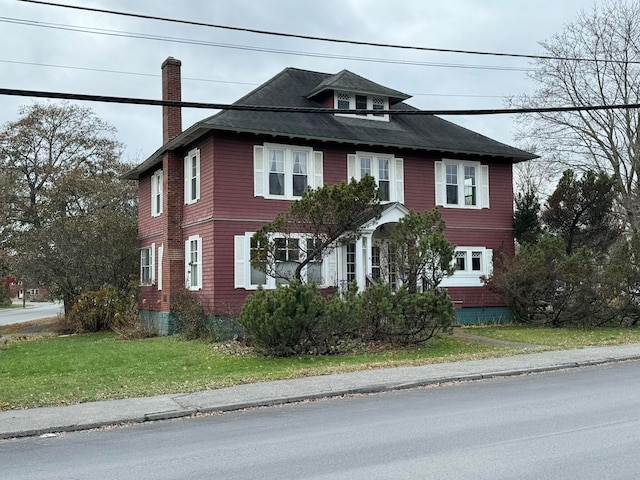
{"points": [[318, 169], [154, 191], [196, 159], [351, 168], [152, 262], [488, 258], [239, 256], [399, 175], [484, 186], [187, 259], [258, 171], [187, 183], [440, 185], [160, 253], [330, 271]]}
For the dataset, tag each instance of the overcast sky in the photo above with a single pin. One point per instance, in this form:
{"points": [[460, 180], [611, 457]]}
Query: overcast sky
{"points": [[57, 49]]}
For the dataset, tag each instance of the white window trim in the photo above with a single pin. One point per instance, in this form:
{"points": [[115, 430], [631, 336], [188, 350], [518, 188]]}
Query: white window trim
{"points": [[396, 172], [156, 190], [152, 273], [261, 169], [482, 184], [191, 197], [352, 106], [160, 254], [469, 277], [243, 263], [188, 266]]}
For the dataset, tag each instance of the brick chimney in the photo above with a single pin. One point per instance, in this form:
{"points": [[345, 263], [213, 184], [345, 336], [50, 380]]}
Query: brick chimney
{"points": [[171, 90]]}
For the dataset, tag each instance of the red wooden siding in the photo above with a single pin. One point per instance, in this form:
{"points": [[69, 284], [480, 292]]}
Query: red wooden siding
{"points": [[228, 207]]}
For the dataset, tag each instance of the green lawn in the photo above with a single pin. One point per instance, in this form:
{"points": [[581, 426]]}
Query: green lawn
{"points": [[64, 370], [82, 368], [559, 337]]}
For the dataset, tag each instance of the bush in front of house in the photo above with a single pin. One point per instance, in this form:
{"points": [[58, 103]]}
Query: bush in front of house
{"points": [[290, 320], [105, 309], [401, 317], [189, 314], [299, 319]]}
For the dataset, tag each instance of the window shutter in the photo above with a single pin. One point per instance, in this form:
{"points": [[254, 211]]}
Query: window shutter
{"points": [[399, 173], [187, 184], [258, 171], [351, 167], [160, 252], [331, 269], [488, 258], [484, 186], [187, 259], [196, 159], [439, 171], [239, 256], [154, 187], [152, 261], [318, 169]]}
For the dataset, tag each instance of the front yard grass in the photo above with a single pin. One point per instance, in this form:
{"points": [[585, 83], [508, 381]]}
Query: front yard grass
{"points": [[82, 368], [559, 337], [47, 371]]}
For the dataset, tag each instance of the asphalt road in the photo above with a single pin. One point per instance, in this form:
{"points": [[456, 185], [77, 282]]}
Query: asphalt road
{"points": [[576, 424], [34, 311]]}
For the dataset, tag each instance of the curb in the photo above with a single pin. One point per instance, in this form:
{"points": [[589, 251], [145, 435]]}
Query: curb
{"points": [[190, 410]]}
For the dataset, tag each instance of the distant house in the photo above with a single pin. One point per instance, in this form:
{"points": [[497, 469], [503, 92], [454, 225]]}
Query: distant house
{"points": [[210, 187]]}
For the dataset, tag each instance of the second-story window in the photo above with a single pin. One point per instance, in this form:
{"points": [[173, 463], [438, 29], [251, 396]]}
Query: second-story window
{"points": [[156, 194], [286, 172], [462, 184], [192, 176], [387, 170]]}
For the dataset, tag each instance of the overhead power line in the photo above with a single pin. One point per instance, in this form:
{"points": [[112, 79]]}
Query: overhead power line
{"points": [[162, 38], [266, 108], [322, 39], [157, 75]]}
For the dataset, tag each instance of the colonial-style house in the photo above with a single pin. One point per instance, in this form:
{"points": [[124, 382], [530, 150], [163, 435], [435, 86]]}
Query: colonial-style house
{"points": [[210, 187]]}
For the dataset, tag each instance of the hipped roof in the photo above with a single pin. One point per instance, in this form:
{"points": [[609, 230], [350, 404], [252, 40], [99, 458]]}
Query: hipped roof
{"points": [[300, 88]]}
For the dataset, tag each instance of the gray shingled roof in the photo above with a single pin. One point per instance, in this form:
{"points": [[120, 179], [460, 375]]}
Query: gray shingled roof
{"points": [[347, 81], [296, 88]]}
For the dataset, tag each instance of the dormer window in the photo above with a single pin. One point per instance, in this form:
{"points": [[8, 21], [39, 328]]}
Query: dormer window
{"points": [[352, 101]]}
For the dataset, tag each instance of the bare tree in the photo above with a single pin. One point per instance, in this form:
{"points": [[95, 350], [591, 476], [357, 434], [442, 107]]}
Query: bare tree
{"points": [[67, 220], [596, 61]]}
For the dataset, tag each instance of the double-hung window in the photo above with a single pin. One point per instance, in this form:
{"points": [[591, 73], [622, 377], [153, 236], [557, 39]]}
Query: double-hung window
{"points": [[193, 262], [192, 176], [287, 256], [156, 193], [462, 184], [147, 270], [289, 252], [285, 171], [387, 171]]}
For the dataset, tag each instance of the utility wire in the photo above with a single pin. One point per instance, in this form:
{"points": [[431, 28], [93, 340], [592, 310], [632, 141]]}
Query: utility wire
{"points": [[141, 74], [264, 108], [322, 39], [144, 36]]}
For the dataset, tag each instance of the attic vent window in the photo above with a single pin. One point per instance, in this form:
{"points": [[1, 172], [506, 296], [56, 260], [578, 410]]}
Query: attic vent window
{"points": [[377, 103], [351, 101], [343, 101]]}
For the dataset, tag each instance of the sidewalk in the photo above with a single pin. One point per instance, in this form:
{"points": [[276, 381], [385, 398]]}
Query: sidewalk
{"points": [[38, 421]]}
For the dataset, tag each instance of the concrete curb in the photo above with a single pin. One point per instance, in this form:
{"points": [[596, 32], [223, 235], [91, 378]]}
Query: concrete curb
{"points": [[92, 415]]}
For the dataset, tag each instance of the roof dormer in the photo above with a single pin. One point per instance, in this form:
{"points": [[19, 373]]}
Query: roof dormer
{"points": [[348, 91]]}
